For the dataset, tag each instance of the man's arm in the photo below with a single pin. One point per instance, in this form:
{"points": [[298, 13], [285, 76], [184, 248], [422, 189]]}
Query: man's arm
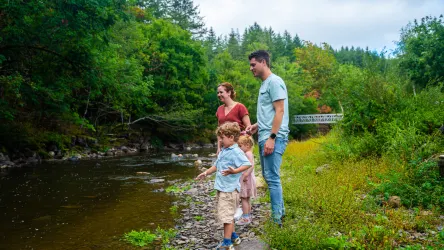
{"points": [[277, 121]]}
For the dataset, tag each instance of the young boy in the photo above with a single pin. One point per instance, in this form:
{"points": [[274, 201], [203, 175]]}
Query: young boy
{"points": [[230, 163]]}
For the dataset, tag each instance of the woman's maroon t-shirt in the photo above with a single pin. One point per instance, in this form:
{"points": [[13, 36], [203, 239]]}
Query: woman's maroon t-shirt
{"points": [[235, 115]]}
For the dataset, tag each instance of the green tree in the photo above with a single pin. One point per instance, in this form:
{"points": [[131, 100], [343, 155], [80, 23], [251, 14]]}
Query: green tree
{"points": [[177, 67], [422, 51]]}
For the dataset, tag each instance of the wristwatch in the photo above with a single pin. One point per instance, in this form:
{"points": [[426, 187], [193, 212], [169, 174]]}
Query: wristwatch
{"points": [[273, 136]]}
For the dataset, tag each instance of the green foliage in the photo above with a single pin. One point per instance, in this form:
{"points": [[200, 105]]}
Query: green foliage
{"points": [[213, 193], [176, 189], [336, 243], [143, 238], [140, 238], [174, 209], [420, 185], [422, 51], [198, 217], [334, 210]]}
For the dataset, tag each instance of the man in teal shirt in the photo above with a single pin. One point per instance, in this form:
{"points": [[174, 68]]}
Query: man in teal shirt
{"points": [[272, 124]]}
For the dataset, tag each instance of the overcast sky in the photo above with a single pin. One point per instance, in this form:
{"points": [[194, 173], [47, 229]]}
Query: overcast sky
{"points": [[372, 23]]}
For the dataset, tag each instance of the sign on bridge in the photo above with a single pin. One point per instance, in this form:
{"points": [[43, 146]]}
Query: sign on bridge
{"points": [[317, 118]]}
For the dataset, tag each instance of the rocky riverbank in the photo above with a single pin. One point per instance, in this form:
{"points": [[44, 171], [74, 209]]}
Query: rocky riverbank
{"points": [[197, 226], [29, 157]]}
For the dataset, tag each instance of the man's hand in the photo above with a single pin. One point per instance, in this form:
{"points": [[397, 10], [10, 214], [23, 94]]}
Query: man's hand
{"points": [[252, 129], [269, 147], [229, 171]]}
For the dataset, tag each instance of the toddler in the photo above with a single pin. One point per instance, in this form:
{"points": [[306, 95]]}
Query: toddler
{"points": [[247, 181]]}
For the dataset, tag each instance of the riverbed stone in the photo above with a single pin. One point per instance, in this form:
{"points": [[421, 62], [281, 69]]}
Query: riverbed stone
{"points": [[157, 180], [198, 163]]}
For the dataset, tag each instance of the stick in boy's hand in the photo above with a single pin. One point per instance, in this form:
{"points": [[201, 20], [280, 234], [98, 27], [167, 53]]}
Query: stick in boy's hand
{"points": [[228, 171]]}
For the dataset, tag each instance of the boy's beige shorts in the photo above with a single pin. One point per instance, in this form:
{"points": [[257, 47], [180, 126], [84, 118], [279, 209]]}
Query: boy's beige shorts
{"points": [[226, 205]]}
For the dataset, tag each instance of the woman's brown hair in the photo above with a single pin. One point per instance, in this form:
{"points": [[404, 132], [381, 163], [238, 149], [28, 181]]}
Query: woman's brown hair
{"points": [[229, 87]]}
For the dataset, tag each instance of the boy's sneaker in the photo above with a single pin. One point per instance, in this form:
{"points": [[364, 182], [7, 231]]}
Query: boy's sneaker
{"points": [[244, 221], [236, 241], [223, 246]]}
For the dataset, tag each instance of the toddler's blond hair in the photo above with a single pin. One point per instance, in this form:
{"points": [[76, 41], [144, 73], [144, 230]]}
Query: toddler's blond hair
{"points": [[246, 140]]}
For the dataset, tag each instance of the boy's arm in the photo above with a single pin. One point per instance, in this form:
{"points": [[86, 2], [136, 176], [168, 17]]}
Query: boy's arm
{"points": [[232, 170], [206, 172]]}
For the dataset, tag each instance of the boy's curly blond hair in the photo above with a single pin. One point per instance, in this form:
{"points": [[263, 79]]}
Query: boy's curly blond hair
{"points": [[229, 129], [246, 140]]}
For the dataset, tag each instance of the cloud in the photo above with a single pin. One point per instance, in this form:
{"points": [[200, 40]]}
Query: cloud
{"points": [[372, 23]]}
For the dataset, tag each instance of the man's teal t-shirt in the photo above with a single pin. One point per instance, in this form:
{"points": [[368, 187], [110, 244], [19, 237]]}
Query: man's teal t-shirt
{"points": [[272, 89]]}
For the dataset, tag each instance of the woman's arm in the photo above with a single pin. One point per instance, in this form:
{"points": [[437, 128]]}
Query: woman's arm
{"points": [[246, 121], [218, 146]]}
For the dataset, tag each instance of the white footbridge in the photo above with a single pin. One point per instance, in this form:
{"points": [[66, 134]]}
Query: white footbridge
{"points": [[317, 118]]}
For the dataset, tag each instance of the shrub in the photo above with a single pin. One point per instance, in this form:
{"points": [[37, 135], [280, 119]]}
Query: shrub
{"points": [[419, 185]]}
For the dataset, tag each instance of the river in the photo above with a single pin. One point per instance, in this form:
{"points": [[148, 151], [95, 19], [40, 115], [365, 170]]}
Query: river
{"points": [[89, 204]]}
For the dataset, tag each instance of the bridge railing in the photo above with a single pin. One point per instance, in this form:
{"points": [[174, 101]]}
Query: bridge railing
{"points": [[317, 118]]}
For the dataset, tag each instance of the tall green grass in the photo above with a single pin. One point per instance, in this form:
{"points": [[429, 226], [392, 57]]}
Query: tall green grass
{"points": [[335, 209]]}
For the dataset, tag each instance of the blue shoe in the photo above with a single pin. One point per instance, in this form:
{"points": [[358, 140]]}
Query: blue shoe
{"points": [[236, 241], [224, 246]]}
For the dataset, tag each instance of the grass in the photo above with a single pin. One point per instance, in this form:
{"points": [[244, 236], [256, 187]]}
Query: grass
{"points": [[334, 209], [145, 238], [174, 209], [175, 189], [198, 217]]}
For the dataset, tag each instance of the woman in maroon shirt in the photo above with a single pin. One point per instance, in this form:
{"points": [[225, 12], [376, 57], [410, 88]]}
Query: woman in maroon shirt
{"points": [[230, 111]]}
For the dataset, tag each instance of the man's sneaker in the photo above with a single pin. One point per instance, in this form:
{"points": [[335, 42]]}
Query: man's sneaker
{"points": [[236, 241], [244, 221], [278, 223], [223, 246]]}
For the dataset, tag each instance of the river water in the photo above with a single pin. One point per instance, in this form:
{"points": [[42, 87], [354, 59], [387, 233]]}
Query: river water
{"points": [[89, 204]]}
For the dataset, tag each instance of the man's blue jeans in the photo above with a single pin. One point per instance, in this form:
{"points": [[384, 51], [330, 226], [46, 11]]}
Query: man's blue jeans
{"points": [[271, 165]]}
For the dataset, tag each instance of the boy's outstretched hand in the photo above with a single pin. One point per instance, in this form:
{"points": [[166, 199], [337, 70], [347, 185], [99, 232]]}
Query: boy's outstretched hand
{"points": [[228, 171], [201, 176]]}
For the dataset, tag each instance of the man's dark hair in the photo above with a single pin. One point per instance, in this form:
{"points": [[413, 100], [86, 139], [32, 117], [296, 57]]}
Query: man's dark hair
{"points": [[260, 55]]}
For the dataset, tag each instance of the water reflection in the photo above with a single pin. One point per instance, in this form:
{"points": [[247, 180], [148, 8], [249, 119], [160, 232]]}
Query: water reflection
{"points": [[89, 204]]}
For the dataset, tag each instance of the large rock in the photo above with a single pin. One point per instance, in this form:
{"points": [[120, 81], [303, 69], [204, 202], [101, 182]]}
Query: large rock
{"points": [[7, 164], [260, 182], [118, 152], [252, 244], [192, 191], [323, 168], [394, 201], [124, 149], [51, 154], [198, 163]]}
